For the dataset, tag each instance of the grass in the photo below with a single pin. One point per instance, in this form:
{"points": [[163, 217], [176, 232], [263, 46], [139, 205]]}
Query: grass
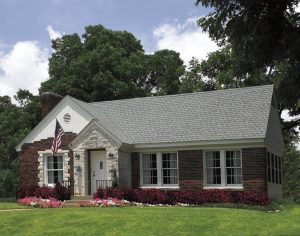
{"points": [[151, 221], [10, 205]]}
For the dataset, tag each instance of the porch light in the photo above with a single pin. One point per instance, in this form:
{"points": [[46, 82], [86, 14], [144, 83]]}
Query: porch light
{"points": [[77, 156], [111, 155]]}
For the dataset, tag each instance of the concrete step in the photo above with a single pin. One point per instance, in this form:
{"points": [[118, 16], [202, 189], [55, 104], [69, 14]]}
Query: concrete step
{"points": [[82, 198], [75, 200]]}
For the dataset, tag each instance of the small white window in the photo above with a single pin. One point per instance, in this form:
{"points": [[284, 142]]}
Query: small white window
{"points": [[54, 169]]}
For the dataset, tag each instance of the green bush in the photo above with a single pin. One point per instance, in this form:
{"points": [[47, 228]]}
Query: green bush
{"points": [[8, 183]]}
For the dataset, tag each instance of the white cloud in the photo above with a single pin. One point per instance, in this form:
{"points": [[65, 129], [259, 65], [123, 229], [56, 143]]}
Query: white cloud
{"points": [[186, 38], [53, 34], [24, 66], [285, 115]]}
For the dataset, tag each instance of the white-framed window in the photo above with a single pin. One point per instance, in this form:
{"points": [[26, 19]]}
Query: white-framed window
{"points": [[169, 168], [223, 168], [149, 163], [233, 167], [54, 169], [159, 169], [274, 168]]}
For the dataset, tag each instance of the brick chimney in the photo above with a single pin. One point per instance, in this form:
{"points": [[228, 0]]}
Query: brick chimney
{"points": [[49, 101]]}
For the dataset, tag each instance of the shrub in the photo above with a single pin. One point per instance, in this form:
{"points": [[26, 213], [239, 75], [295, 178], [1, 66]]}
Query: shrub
{"points": [[59, 192], [8, 183], [62, 192], [155, 196], [251, 198], [150, 196], [119, 193], [26, 191], [44, 192]]}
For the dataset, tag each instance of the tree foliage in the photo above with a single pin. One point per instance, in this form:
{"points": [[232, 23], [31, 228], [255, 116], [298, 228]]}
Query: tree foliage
{"points": [[291, 171], [106, 65], [264, 38]]}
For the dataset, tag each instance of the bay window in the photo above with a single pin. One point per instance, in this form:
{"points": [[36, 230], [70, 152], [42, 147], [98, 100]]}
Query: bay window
{"points": [[159, 169], [223, 168]]}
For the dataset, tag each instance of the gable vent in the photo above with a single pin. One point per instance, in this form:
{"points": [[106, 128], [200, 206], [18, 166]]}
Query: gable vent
{"points": [[67, 117]]}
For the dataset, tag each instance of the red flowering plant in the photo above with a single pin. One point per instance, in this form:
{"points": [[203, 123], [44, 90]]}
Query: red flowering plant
{"points": [[110, 202], [40, 202]]}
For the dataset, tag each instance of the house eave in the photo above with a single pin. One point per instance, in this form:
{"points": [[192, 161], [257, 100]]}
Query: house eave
{"points": [[193, 145]]}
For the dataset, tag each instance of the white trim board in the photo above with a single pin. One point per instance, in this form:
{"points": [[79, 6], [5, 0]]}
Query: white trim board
{"points": [[199, 145]]}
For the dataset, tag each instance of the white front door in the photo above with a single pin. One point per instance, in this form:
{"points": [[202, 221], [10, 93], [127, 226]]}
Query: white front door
{"points": [[98, 169]]}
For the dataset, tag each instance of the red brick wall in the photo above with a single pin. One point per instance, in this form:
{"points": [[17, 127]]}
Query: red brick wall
{"points": [[190, 169], [135, 170], [254, 169], [49, 101], [28, 158]]}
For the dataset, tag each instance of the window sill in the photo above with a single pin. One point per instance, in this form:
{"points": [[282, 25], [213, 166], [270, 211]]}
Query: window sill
{"points": [[160, 187], [224, 187]]}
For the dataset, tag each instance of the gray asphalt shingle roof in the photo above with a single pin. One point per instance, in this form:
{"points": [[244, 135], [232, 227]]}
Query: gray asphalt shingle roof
{"points": [[204, 116]]}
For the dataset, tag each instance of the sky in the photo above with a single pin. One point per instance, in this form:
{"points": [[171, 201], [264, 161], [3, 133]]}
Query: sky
{"points": [[27, 27]]}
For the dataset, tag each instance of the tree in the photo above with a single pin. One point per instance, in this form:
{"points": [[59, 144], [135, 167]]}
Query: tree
{"points": [[194, 79], [106, 65], [291, 170], [167, 69], [14, 126], [30, 105], [264, 37]]}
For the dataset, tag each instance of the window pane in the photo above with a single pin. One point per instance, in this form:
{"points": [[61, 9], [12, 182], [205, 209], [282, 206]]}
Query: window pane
{"points": [[50, 162], [169, 168], [50, 177], [233, 167], [149, 168], [55, 162], [279, 163], [213, 170]]}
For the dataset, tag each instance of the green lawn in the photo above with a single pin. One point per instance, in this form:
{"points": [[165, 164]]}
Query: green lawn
{"points": [[150, 221], [9, 205]]}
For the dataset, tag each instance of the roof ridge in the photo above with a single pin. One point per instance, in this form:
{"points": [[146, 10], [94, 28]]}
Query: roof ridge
{"points": [[182, 94]]}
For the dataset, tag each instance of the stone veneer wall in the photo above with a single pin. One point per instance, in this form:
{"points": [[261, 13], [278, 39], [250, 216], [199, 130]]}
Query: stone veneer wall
{"points": [[31, 168], [255, 169], [92, 140]]}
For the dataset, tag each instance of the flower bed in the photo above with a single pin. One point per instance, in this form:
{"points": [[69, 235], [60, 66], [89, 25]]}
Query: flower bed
{"points": [[155, 196], [40, 202], [111, 202]]}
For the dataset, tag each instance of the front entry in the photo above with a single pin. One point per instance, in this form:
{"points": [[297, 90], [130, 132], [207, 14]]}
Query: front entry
{"points": [[98, 170]]}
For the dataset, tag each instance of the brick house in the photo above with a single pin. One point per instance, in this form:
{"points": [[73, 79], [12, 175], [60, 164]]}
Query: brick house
{"points": [[227, 139]]}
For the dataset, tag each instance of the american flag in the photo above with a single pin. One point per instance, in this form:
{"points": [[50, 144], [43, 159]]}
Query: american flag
{"points": [[57, 137]]}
